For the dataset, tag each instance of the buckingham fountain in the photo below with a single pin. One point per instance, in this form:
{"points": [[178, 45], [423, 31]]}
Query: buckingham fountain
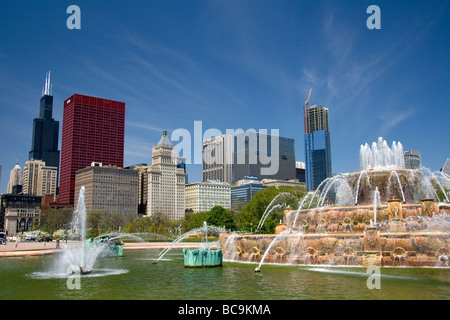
{"points": [[383, 215]]}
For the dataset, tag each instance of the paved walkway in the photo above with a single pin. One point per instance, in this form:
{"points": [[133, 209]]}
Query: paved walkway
{"points": [[34, 248]]}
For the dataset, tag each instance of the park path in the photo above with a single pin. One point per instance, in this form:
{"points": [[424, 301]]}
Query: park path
{"points": [[34, 248]]}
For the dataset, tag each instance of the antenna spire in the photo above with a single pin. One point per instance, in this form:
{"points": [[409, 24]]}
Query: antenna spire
{"points": [[47, 86]]}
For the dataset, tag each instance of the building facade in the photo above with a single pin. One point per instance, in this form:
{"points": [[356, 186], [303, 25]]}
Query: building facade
{"points": [[300, 171], [203, 196], [317, 146], [413, 159], [108, 188], [255, 152], [39, 179], [241, 195], [44, 144], [166, 181], [15, 180], [142, 195], [93, 131], [218, 158], [19, 212]]}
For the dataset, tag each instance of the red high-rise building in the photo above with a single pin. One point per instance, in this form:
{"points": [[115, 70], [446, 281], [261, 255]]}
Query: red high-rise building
{"points": [[93, 130]]}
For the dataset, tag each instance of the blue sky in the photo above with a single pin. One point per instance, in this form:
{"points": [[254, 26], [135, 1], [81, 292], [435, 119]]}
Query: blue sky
{"points": [[234, 64]]}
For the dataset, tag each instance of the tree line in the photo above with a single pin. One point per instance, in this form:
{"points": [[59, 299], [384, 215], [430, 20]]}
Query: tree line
{"points": [[100, 222]]}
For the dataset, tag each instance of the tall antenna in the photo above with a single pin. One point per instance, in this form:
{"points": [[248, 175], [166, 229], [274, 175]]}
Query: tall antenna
{"points": [[47, 86]]}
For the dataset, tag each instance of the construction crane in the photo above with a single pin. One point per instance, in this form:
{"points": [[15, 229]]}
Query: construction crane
{"points": [[307, 100]]}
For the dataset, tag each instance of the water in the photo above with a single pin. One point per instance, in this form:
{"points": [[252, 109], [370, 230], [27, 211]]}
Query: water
{"points": [[376, 205], [204, 245], [272, 206], [379, 155], [172, 281], [81, 259]]}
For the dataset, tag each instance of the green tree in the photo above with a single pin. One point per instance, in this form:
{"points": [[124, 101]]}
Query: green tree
{"points": [[130, 228], [251, 214], [54, 219], [196, 220], [161, 229], [220, 217]]}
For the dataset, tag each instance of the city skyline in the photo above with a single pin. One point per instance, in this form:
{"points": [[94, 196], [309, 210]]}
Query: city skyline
{"points": [[234, 64]]}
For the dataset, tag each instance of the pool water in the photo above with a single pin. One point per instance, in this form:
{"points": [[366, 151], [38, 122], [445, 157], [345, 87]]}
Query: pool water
{"points": [[133, 276]]}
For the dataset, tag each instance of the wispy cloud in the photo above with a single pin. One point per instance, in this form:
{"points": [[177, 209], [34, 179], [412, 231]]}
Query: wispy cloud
{"points": [[144, 126], [393, 118]]}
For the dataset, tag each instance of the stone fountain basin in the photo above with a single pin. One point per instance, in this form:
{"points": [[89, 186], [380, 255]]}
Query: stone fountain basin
{"points": [[415, 249], [357, 218]]}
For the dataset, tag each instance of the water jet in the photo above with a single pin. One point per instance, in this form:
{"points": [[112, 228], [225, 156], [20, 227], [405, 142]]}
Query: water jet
{"points": [[384, 214]]}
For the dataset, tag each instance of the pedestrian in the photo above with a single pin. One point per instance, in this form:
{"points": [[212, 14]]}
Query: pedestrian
{"points": [[17, 241]]}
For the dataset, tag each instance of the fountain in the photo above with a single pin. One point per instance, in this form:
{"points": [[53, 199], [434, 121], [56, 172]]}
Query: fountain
{"points": [[385, 215], [204, 256], [207, 254], [82, 259]]}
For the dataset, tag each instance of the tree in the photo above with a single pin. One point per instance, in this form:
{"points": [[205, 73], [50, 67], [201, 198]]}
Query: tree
{"points": [[94, 219], [251, 214], [196, 220], [220, 217], [161, 229], [54, 219]]}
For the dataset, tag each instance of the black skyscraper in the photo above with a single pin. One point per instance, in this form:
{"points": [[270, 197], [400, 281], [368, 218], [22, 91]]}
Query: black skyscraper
{"points": [[44, 145]]}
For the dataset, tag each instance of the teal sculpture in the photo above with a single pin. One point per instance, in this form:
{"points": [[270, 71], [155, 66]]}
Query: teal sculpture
{"points": [[198, 258], [203, 256]]}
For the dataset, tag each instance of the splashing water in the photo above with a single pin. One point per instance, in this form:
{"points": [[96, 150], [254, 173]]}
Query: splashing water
{"points": [[381, 156], [203, 230]]}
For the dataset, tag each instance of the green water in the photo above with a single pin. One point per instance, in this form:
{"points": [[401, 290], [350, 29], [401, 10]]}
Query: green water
{"points": [[135, 277]]}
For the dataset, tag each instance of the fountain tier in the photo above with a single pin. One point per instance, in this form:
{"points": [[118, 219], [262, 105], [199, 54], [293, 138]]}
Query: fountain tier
{"points": [[384, 214]]}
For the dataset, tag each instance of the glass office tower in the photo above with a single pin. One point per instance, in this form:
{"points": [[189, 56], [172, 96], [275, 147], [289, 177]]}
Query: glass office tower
{"points": [[317, 146], [251, 150]]}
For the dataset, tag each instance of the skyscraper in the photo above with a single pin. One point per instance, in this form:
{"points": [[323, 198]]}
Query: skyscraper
{"points": [[39, 179], [93, 131], [218, 158], [317, 145], [166, 181], [230, 158], [15, 180], [254, 152], [412, 159], [44, 145]]}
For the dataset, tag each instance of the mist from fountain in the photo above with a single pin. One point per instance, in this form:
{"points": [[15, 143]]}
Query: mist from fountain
{"points": [[79, 258], [204, 245], [270, 208], [380, 156], [281, 234], [82, 259], [376, 204], [399, 184], [383, 177]]}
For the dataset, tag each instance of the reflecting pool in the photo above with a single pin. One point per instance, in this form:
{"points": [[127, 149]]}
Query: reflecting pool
{"points": [[135, 277]]}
